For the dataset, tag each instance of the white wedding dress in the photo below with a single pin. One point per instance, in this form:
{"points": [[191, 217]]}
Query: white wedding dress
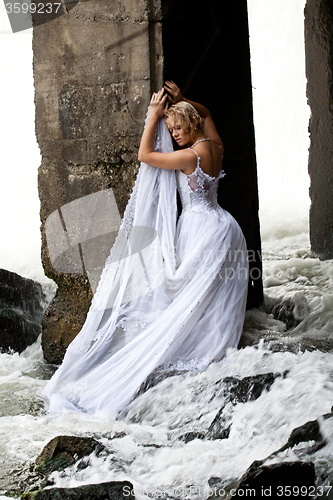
{"points": [[172, 293]]}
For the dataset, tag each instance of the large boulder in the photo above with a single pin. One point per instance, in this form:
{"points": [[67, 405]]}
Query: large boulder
{"points": [[22, 304], [296, 479], [63, 451], [114, 490]]}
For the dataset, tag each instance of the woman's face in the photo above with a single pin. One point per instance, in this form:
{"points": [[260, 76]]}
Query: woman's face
{"points": [[180, 135]]}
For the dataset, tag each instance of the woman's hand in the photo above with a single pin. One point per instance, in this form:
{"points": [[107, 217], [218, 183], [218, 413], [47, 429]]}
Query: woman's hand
{"points": [[174, 91], [158, 104], [157, 108]]}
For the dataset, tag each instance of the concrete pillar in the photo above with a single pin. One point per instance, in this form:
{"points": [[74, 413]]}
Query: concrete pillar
{"points": [[319, 67], [92, 72], [95, 67]]}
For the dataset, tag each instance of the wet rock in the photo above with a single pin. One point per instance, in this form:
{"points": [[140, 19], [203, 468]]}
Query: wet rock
{"points": [[63, 451], [119, 435], [155, 378], [310, 431], [237, 391], [247, 388], [190, 436], [114, 490], [22, 304], [65, 316], [276, 481], [284, 311], [307, 432], [234, 391], [219, 428]]}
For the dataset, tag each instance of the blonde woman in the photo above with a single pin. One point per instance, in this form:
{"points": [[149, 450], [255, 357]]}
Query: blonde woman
{"points": [[173, 290]]}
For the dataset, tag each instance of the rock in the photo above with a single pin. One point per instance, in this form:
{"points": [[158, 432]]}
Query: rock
{"points": [[276, 481], [247, 388], [310, 431], [22, 304], [219, 428], [237, 391], [190, 436], [307, 432], [284, 311], [65, 316], [114, 490], [234, 391], [63, 451], [155, 378]]}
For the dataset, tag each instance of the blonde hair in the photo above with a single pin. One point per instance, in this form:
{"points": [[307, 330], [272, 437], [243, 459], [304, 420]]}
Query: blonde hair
{"points": [[185, 115]]}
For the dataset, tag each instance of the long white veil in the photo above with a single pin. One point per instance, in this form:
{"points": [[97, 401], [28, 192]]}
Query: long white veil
{"points": [[170, 294], [128, 295]]}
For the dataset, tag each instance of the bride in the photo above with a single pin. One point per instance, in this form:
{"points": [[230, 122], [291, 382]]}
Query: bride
{"points": [[173, 292]]}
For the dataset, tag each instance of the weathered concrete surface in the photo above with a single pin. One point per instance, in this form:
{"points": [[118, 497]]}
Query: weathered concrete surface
{"points": [[94, 68], [319, 68], [92, 83]]}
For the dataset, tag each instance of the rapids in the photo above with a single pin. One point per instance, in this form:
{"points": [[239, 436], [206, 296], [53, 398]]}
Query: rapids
{"points": [[150, 454]]}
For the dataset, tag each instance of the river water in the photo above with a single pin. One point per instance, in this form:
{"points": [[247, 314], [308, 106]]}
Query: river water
{"points": [[150, 455], [143, 444]]}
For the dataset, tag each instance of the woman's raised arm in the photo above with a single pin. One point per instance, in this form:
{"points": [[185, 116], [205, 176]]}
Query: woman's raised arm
{"points": [[177, 160], [209, 125]]}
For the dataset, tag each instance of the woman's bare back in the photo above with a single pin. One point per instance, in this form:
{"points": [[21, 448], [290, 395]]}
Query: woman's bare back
{"points": [[211, 155]]}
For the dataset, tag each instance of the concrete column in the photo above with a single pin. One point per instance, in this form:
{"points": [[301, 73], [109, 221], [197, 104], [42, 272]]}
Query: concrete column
{"points": [[92, 72], [95, 67], [319, 67]]}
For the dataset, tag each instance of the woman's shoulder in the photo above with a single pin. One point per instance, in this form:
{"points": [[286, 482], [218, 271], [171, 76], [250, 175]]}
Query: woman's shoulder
{"points": [[209, 147], [210, 154]]}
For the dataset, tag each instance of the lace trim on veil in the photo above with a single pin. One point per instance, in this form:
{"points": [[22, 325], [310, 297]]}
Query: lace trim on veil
{"points": [[150, 207]]}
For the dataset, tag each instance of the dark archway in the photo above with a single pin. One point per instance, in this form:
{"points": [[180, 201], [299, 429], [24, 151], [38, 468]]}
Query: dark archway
{"points": [[207, 54]]}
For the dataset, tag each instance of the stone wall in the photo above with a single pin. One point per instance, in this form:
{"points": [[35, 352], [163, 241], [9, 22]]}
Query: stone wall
{"points": [[319, 67], [95, 67], [92, 82]]}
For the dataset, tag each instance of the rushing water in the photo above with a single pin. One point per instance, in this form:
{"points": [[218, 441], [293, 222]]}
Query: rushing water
{"points": [[150, 455], [148, 452]]}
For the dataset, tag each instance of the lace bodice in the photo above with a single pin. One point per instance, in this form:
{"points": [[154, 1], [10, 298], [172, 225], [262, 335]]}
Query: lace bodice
{"points": [[198, 191]]}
